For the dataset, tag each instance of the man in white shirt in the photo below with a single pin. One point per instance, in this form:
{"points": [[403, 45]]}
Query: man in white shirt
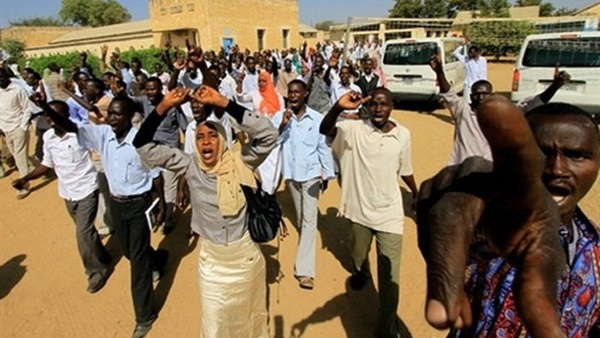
{"points": [[339, 89], [15, 113], [475, 68], [78, 186], [374, 155], [250, 80]]}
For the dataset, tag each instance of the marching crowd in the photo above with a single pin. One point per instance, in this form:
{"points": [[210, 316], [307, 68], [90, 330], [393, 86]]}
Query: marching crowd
{"points": [[508, 251]]}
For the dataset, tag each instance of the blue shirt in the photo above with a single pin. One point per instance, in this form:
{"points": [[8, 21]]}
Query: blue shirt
{"points": [[126, 174], [77, 113], [304, 150]]}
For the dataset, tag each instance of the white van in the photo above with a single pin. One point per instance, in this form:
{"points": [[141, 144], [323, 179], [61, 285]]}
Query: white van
{"points": [[406, 67], [577, 53]]}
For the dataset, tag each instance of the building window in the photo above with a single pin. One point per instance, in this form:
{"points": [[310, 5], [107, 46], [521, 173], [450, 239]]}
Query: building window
{"points": [[260, 34], [286, 34]]}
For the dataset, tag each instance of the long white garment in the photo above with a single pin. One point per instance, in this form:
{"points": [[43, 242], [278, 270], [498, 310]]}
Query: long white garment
{"points": [[270, 169], [233, 289]]}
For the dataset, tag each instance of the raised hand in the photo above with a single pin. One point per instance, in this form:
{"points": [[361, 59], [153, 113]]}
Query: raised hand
{"points": [[435, 63], [39, 98], [168, 45], [509, 205], [351, 101], [560, 77], [210, 96], [176, 97]]}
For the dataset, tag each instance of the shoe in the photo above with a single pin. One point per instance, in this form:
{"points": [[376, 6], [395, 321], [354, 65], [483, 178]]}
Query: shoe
{"points": [[358, 281], [21, 194], [307, 283], [142, 329], [96, 282]]}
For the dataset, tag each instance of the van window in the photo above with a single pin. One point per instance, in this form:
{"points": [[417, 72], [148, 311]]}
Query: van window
{"points": [[571, 52], [449, 48], [415, 53]]}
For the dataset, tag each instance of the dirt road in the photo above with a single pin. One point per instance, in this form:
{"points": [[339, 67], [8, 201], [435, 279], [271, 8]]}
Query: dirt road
{"points": [[42, 283]]}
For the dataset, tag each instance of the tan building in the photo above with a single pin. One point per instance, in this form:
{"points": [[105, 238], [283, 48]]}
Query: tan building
{"points": [[591, 10], [125, 36], [36, 36], [312, 35], [252, 24]]}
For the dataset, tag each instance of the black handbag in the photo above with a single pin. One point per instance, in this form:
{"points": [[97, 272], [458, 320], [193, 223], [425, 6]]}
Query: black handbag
{"points": [[264, 214]]}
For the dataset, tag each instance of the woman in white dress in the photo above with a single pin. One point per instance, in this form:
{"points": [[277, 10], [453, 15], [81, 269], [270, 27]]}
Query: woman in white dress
{"points": [[267, 102]]}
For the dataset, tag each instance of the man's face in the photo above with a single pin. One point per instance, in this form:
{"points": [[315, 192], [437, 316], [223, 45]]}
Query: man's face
{"points": [[473, 53], [136, 67], [345, 76], [479, 93], [207, 143], [319, 61], [81, 80], [31, 80], [158, 68], [380, 107], [153, 91], [287, 65], [296, 95], [572, 148], [368, 67], [222, 70], [119, 118], [90, 92], [199, 111], [107, 78], [251, 65]]}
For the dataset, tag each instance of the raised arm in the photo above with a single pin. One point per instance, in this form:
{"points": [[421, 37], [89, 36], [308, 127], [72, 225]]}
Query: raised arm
{"points": [[349, 101], [263, 135], [61, 121], [436, 65], [458, 53], [516, 214], [559, 80]]}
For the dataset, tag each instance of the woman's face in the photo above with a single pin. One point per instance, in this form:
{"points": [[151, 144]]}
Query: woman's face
{"points": [[207, 143], [262, 82]]}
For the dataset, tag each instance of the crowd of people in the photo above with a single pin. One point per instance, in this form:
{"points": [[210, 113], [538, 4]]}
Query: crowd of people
{"points": [[508, 251]]}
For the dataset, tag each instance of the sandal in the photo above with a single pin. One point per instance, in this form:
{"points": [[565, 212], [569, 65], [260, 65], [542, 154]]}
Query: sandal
{"points": [[306, 282]]}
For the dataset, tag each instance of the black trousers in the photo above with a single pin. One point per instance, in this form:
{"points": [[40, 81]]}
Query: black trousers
{"points": [[132, 231]]}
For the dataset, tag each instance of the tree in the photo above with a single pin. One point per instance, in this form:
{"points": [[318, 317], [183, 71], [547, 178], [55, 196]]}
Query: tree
{"points": [[406, 9], [434, 9], [499, 38], [93, 12], [494, 9], [38, 21], [15, 48], [324, 25], [564, 11], [546, 8]]}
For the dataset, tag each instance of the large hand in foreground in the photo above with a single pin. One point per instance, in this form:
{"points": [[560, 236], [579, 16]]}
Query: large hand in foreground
{"points": [[210, 96], [351, 101], [512, 209]]}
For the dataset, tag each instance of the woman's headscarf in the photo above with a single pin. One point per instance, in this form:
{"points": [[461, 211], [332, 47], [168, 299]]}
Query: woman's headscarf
{"points": [[377, 70], [270, 104], [231, 172]]}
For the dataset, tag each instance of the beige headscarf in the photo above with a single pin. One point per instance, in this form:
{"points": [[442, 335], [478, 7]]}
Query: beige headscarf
{"points": [[231, 171]]}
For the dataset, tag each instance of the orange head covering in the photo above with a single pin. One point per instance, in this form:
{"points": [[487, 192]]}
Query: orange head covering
{"points": [[270, 103]]}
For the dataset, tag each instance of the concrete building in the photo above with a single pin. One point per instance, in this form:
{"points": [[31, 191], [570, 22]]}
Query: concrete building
{"points": [[252, 24]]}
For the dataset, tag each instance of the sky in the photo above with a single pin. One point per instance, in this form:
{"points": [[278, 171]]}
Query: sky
{"points": [[311, 11]]}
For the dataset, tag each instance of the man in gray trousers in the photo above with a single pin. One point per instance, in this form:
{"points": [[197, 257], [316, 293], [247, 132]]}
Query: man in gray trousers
{"points": [[78, 186]]}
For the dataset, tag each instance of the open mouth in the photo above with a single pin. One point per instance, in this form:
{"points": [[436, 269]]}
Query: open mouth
{"points": [[206, 153], [559, 192]]}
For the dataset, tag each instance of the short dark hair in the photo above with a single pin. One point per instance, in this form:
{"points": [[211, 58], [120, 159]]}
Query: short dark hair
{"points": [[98, 84], [130, 106], [299, 83], [561, 109], [53, 66], [483, 83], [63, 107], [155, 80], [474, 48], [76, 75], [384, 91]]}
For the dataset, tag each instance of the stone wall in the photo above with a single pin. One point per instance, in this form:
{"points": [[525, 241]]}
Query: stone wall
{"points": [[36, 36]]}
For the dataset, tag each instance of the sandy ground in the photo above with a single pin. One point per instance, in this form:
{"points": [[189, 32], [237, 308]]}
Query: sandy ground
{"points": [[42, 283]]}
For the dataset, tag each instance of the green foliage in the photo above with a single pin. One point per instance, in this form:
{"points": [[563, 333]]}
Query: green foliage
{"points": [[39, 21], [15, 48], [149, 57], [499, 38], [68, 61], [93, 13], [494, 9], [324, 25], [564, 11], [406, 9]]}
